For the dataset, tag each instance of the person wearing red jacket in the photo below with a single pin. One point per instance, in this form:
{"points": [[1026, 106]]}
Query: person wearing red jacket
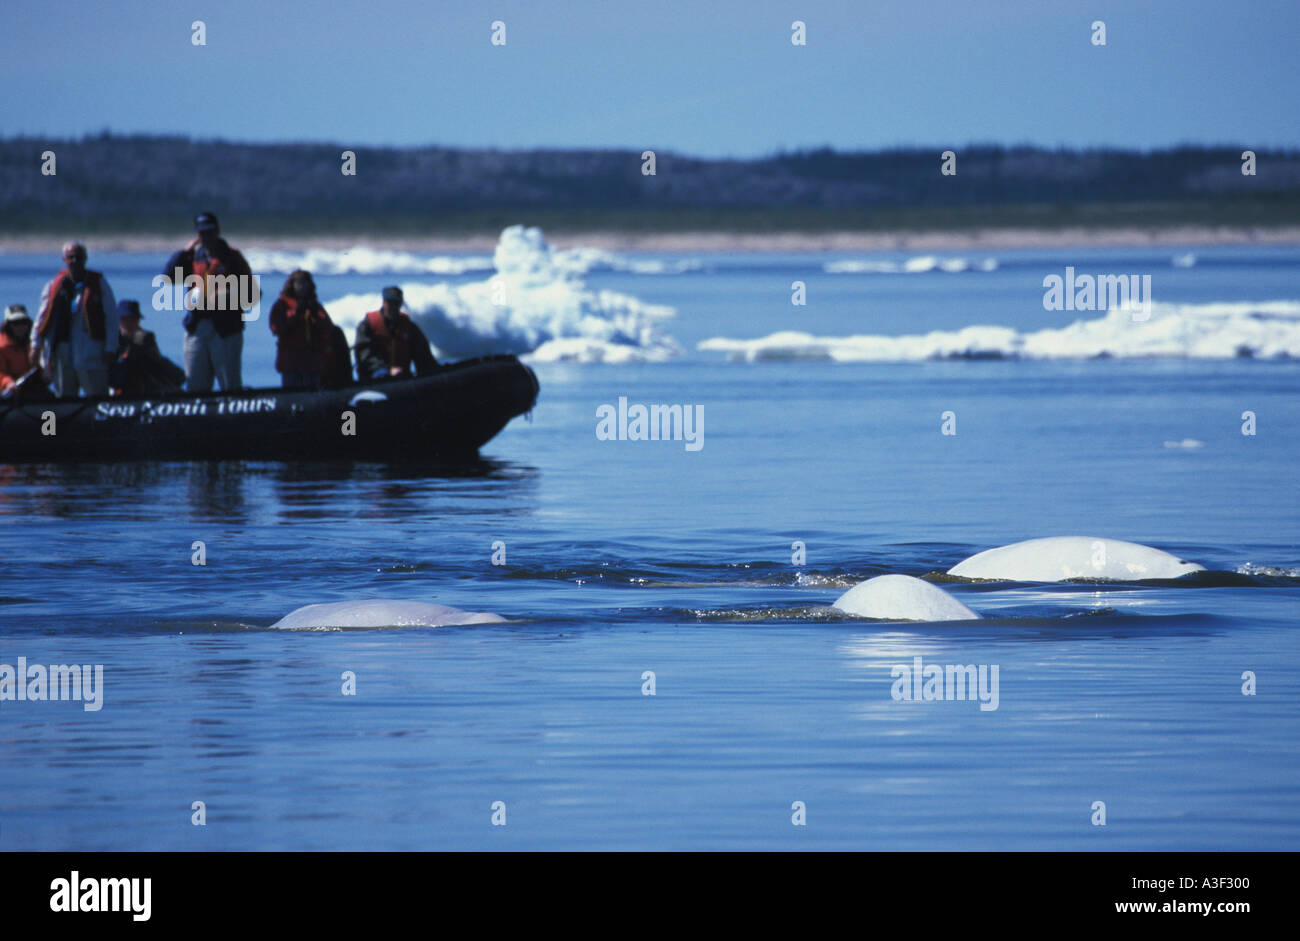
{"points": [[16, 358], [304, 332]]}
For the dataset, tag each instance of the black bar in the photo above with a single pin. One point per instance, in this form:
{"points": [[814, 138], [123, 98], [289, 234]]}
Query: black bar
{"points": [[656, 892]]}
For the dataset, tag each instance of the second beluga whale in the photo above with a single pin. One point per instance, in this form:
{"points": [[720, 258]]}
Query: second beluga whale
{"points": [[379, 613], [902, 598], [1059, 558]]}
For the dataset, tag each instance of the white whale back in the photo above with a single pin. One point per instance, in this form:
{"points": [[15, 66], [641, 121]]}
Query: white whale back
{"points": [[1061, 557], [380, 614], [902, 598]]}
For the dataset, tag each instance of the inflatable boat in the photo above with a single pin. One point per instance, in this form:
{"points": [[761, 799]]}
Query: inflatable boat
{"points": [[446, 415]]}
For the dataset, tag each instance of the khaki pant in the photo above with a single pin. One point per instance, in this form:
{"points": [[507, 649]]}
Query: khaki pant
{"points": [[209, 355], [67, 378]]}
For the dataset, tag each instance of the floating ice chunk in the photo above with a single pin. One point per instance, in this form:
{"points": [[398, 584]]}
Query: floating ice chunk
{"points": [[1263, 329], [535, 298]]}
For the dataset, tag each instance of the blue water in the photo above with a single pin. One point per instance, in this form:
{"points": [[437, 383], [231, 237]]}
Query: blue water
{"points": [[627, 557]]}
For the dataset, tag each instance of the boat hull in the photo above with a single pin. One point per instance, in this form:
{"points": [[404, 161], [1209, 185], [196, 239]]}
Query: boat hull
{"points": [[447, 415]]}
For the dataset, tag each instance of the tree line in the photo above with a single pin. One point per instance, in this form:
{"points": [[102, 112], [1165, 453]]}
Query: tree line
{"points": [[112, 182]]}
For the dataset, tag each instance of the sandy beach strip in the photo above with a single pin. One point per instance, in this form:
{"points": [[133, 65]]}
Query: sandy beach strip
{"points": [[704, 242]]}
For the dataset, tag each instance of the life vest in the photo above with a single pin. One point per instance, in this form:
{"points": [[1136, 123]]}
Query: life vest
{"points": [[312, 319], [60, 304], [15, 360], [302, 338], [215, 265], [398, 344]]}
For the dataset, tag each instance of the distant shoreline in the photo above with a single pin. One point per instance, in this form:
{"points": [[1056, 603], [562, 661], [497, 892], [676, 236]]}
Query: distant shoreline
{"points": [[705, 241]]}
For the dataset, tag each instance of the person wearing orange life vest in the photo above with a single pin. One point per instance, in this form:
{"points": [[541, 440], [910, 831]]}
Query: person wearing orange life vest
{"points": [[389, 342], [16, 358], [76, 329], [303, 331], [214, 321]]}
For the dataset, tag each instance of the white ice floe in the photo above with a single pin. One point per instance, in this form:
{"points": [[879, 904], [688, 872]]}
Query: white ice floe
{"points": [[1262, 329], [920, 264], [536, 303], [580, 261], [363, 260]]}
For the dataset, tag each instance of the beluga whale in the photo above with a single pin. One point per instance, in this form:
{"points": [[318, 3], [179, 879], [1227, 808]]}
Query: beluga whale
{"points": [[1058, 558], [379, 613], [902, 598]]}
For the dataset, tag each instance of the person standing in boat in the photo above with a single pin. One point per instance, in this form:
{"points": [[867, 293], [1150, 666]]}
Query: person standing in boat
{"points": [[389, 342], [140, 368], [76, 330], [214, 322], [303, 332], [16, 358]]}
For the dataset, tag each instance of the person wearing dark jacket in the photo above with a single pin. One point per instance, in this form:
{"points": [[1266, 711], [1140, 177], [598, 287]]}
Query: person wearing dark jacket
{"points": [[214, 319], [338, 369], [303, 332], [389, 342], [140, 368]]}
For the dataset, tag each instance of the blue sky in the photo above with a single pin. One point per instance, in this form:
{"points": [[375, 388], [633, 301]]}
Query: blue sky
{"points": [[708, 78]]}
